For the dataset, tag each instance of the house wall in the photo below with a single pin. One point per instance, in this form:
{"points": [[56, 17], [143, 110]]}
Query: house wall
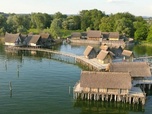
{"points": [[113, 38], [109, 90], [32, 44], [9, 44], [96, 39], [92, 54]]}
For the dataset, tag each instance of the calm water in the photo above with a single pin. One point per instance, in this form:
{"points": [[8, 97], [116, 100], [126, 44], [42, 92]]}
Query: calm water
{"points": [[40, 85]]}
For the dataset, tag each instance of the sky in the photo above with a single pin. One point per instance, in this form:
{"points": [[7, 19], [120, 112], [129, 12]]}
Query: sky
{"points": [[135, 7]]}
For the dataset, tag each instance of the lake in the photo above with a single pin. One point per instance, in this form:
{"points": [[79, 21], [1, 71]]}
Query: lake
{"points": [[41, 85]]}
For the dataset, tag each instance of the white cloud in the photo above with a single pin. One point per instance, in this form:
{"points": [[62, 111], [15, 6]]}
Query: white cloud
{"points": [[114, 0]]}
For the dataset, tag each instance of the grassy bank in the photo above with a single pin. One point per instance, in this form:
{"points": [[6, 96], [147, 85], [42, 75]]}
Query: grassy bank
{"points": [[1, 39], [145, 43], [63, 33]]}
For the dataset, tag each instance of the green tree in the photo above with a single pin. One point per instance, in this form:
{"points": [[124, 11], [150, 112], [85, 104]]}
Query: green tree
{"points": [[149, 37], [55, 29], [107, 24], [141, 33], [2, 24]]}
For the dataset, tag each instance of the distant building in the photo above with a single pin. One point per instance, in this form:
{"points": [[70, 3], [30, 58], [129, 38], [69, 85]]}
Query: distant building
{"points": [[46, 39], [128, 56], [94, 35], [34, 40], [113, 36], [137, 70], [105, 57], [105, 82], [13, 39], [90, 52], [76, 35]]}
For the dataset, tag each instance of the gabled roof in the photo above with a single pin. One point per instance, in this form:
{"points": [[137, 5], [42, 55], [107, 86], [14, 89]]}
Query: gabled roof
{"points": [[127, 53], [104, 47], [45, 35], [11, 38], [76, 34], [136, 69], [34, 38], [104, 80], [102, 54], [88, 50], [94, 34], [114, 35]]}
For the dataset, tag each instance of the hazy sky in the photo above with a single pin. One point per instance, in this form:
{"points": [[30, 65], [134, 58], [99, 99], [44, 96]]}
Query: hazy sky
{"points": [[135, 7]]}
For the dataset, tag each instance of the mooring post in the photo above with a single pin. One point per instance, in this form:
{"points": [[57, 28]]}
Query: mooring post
{"points": [[10, 86], [69, 90]]}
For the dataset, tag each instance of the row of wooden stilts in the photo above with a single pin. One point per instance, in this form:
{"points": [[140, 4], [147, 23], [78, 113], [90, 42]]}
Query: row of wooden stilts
{"points": [[111, 97]]}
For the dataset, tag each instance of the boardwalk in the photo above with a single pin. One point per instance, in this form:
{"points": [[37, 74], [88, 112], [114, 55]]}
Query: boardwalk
{"points": [[93, 64]]}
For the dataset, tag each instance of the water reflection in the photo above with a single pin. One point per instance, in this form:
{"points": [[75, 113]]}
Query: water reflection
{"points": [[97, 107]]}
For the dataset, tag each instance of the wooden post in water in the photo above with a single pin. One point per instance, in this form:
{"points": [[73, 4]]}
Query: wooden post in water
{"points": [[69, 90], [10, 86]]}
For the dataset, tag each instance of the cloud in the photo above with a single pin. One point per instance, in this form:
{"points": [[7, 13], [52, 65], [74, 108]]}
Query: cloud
{"points": [[114, 0]]}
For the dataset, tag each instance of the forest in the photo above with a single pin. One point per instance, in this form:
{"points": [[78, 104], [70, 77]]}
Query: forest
{"points": [[61, 25]]}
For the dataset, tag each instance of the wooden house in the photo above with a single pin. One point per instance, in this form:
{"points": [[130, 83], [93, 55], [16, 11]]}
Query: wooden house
{"points": [[105, 82], [105, 35], [83, 35], [137, 70], [128, 55], [117, 50], [13, 39], [113, 36], [105, 57], [76, 35], [94, 35], [46, 39], [90, 52], [105, 48], [34, 40]]}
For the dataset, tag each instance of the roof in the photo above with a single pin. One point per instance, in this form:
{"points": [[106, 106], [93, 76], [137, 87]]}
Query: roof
{"points": [[104, 47], [136, 69], [45, 35], [105, 80], [127, 53], [34, 38], [88, 50], [113, 34], [11, 37], [102, 54], [94, 34], [76, 34]]}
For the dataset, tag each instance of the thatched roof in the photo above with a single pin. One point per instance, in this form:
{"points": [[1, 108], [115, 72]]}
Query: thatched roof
{"points": [[102, 54], [136, 69], [127, 53], [45, 35], [88, 50], [94, 34], [34, 38], [105, 80], [11, 38], [114, 35], [76, 34], [104, 47]]}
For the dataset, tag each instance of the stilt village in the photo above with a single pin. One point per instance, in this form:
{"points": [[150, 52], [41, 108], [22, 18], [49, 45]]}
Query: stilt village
{"points": [[114, 73]]}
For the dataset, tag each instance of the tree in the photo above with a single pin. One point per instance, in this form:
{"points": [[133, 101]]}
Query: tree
{"points": [[141, 33], [107, 24], [55, 29], [2, 24], [149, 37]]}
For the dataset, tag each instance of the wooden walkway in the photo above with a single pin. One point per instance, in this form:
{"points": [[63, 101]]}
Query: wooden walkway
{"points": [[93, 64]]}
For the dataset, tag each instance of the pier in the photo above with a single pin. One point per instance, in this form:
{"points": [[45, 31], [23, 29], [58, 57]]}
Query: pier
{"points": [[91, 64]]}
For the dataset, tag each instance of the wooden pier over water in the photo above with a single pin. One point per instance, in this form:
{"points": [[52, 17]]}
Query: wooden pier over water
{"points": [[91, 64]]}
